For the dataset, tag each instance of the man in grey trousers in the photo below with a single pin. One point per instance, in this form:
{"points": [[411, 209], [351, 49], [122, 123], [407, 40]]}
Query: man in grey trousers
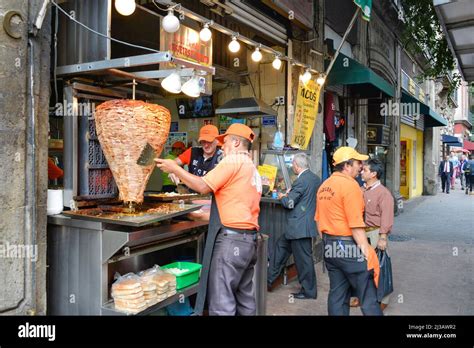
{"points": [[300, 229]]}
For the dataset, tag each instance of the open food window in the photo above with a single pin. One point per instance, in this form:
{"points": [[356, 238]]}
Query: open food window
{"points": [[276, 170]]}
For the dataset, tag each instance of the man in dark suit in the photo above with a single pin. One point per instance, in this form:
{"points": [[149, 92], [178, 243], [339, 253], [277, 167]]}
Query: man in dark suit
{"points": [[300, 229], [445, 171]]}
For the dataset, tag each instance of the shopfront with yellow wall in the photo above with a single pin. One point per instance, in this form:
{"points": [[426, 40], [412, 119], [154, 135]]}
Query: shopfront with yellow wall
{"points": [[411, 162]]}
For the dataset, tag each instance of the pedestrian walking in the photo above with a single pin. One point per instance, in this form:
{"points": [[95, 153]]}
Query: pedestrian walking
{"points": [[445, 171], [299, 230], [469, 172], [379, 209], [454, 173], [462, 167], [230, 253], [350, 260]]}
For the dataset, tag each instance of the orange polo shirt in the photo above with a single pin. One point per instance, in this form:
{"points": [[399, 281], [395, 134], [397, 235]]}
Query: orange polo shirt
{"points": [[340, 205], [237, 188]]}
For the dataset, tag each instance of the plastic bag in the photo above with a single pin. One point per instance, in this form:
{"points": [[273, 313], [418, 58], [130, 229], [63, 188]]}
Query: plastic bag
{"points": [[129, 283], [385, 278], [164, 282], [278, 142], [128, 294]]}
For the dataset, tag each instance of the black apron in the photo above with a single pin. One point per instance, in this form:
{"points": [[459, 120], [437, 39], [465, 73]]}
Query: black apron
{"points": [[215, 225]]}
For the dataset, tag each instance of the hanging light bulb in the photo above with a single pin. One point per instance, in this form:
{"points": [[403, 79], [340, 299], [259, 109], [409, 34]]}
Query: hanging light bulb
{"points": [[193, 37], [172, 83], [306, 76], [125, 7], [234, 45], [192, 87], [257, 55], [320, 80], [276, 63], [205, 34], [170, 22]]}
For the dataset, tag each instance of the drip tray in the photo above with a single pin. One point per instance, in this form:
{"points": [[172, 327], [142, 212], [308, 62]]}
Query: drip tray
{"points": [[142, 215]]}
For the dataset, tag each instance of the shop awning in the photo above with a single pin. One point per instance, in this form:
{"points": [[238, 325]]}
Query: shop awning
{"points": [[457, 21], [435, 119], [432, 118], [468, 145], [347, 71], [450, 140]]}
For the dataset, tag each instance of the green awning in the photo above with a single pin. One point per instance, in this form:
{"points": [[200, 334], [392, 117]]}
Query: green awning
{"points": [[347, 71], [432, 118], [435, 120]]}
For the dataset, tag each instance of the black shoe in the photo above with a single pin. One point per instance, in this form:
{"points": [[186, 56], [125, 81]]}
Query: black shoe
{"points": [[302, 296], [447, 193]]}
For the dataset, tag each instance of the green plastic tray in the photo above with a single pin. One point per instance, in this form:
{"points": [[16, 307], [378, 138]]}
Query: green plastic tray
{"points": [[187, 278]]}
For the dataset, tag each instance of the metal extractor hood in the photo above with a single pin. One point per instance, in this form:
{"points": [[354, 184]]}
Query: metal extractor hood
{"points": [[245, 107]]}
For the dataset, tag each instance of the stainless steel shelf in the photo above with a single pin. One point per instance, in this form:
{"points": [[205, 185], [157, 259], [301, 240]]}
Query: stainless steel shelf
{"points": [[109, 308]]}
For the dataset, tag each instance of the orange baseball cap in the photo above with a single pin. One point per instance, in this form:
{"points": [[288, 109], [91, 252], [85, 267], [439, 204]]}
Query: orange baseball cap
{"points": [[178, 145], [208, 133], [238, 129], [345, 153]]}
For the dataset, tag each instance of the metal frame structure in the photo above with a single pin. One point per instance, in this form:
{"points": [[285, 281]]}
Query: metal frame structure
{"points": [[134, 61], [116, 71]]}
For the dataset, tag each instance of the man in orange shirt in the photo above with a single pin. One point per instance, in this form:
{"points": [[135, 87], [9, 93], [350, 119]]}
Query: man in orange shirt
{"points": [[201, 160], [230, 253], [350, 260]]}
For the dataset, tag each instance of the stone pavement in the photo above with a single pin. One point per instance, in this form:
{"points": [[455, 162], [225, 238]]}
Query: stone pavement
{"points": [[432, 251]]}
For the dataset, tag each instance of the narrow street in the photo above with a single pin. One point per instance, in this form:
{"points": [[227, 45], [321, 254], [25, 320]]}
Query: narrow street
{"points": [[432, 251]]}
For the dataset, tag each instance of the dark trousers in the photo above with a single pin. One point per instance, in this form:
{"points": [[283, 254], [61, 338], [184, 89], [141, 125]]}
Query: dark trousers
{"points": [[303, 253], [469, 182], [445, 181], [347, 272], [230, 286]]}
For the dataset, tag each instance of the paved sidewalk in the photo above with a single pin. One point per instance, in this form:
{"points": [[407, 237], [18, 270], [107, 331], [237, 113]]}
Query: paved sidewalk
{"points": [[432, 251]]}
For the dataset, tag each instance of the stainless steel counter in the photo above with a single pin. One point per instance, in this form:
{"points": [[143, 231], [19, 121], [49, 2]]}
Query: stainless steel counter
{"points": [[84, 255]]}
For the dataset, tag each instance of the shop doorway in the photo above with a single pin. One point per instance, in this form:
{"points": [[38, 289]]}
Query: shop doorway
{"points": [[405, 167]]}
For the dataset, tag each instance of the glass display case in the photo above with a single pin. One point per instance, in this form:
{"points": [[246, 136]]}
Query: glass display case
{"points": [[281, 163]]}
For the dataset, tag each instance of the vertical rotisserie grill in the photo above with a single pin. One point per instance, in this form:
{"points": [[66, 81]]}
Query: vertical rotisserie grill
{"points": [[124, 127]]}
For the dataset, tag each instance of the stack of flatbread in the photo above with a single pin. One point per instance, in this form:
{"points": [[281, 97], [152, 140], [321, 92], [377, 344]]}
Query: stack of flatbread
{"points": [[128, 295], [171, 284], [149, 291], [161, 286], [165, 284]]}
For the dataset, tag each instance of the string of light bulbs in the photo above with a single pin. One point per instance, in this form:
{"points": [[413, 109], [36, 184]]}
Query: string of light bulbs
{"points": [[193, 86], [171, 24]]}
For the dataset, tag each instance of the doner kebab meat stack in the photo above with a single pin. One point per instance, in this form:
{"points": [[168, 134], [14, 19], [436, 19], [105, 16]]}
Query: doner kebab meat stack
{"points": [[124, 127]]}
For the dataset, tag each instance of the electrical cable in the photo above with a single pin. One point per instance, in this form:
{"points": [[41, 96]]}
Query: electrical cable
{"points": [[171, 7], [176, 7], [251, 84], [100, 34], [158, 7], [56, 55]]}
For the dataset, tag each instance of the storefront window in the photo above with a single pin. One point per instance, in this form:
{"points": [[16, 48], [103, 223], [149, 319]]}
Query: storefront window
{"points": [[274, 160]]}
